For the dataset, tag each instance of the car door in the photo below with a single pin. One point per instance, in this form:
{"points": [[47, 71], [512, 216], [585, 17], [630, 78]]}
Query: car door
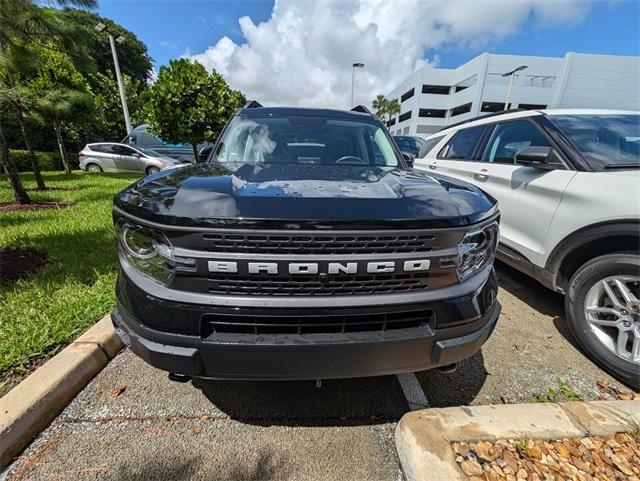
{"points": [[528, 197], [105, 156], [127, 159], [456, 158]]}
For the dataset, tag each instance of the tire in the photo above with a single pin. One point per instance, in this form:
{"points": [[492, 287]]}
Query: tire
{"points": [[152, 170], [94, 168], [599, 333]]}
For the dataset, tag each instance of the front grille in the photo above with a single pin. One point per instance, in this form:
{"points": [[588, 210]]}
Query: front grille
{"points": [[312, 243], [317, 286], [313, 324]]}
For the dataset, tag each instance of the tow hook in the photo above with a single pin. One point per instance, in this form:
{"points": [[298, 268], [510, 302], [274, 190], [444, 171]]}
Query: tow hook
{"points": [[178, 377], [448, 368]]}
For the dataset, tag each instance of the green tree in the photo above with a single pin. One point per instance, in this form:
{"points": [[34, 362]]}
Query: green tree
{"points": [[132, 53], [385, 108], [189, 105], [61, 97], [378, 105], [108, 123], [392, 108], [24, 27]]}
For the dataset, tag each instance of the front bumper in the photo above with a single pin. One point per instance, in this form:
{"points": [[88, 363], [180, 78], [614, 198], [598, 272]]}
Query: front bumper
{"points": [[169, 335]]}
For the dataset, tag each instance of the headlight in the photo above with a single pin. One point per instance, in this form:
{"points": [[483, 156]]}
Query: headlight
{"points": [[150, 252], [476, 249]]}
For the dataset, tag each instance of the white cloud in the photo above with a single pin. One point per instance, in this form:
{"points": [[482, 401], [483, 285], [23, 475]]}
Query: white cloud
{"points": [[303, 54]]}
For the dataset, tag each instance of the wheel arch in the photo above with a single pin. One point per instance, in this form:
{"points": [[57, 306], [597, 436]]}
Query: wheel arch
{"points": [[588, 243]]}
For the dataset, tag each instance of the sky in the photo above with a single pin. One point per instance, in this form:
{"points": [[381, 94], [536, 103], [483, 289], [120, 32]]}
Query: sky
{"points": [[292, 52]]}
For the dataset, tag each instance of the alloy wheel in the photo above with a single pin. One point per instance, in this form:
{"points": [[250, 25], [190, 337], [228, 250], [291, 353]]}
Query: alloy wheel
{"points": [[612, 309]]}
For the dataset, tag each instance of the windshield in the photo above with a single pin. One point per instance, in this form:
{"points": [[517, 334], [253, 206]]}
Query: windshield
{"points": [[305, 140], [606, 141]]}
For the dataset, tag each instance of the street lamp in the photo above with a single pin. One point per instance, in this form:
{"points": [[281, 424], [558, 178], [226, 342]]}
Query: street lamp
{"points": [[353, 79], [511, 75], [101, 27]]}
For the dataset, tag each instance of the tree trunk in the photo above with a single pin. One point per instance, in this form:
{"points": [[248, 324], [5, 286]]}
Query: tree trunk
{"points": [[19, 193], [195, 152], [35, 165], [63, 151]]}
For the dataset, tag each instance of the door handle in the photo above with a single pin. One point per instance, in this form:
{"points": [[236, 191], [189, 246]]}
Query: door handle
{"points": [[482, 174]]}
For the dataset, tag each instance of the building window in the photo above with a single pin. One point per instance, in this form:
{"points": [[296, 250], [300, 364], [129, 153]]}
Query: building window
{"points": [[405, 131], [492, 107], [461, 109], [532, 106], [391, 122], [427, 129], [435, 113], [466, 83], [405, 116], [407, 95], [436, 89]]}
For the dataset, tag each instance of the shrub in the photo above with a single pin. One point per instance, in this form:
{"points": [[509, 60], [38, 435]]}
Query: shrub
{"points": [[48, 160]]}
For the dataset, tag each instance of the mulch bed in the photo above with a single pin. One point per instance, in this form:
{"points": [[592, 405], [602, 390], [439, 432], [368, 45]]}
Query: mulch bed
{"points": [[13, 379], [603, 458], [16, 263], [13, 207]]}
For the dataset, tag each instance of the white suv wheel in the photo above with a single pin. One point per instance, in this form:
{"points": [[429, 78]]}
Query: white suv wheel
{"points": [[612, 310]]}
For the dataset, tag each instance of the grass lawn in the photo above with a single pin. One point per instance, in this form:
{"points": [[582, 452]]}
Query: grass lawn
{"points": [[74, 289]]}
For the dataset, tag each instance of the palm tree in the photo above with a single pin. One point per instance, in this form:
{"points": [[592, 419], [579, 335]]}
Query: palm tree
{"points": [[392, 107], [25, 25], [378, 105]]}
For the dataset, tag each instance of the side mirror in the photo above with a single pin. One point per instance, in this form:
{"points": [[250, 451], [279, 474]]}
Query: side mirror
{"points": [[408, 158], [543, 158], [204, 153]]}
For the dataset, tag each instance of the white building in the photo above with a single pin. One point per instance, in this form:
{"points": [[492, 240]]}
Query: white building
{"points": [[432, 98]]}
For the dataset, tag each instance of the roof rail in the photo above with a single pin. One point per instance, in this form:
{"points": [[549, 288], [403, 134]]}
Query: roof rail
{"points": [[252, 104], [492, 114], [361, 108]]}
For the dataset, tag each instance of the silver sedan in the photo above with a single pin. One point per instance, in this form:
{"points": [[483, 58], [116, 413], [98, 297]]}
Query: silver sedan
{"points": [[114, 157]]}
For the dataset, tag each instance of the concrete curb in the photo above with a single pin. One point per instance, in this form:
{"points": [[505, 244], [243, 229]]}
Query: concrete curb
{"points": [[423, 438], [31, 405]]}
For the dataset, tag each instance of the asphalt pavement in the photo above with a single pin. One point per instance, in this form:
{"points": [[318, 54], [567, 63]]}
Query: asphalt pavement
{"points": [[131, 423]]}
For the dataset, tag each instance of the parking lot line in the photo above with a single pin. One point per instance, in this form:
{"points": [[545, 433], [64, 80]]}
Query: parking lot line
{"points": [[413, 392]]}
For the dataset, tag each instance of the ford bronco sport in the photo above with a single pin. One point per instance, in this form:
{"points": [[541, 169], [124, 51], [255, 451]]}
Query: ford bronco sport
{"points": [[304, 248]]}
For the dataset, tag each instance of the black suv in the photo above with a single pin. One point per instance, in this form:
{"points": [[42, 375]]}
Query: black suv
{"points": [[304, 248]]}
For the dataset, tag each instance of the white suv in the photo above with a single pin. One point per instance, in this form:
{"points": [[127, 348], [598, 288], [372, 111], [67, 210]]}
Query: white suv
{"points": [[568, 186]]}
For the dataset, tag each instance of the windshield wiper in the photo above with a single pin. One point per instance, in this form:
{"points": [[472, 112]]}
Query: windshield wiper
{"points": [[622, 166]]}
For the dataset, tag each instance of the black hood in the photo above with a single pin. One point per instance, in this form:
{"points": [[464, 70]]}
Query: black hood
{"points": [[304, 196]]}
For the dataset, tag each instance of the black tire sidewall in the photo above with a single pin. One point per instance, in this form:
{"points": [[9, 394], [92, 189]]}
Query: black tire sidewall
{"points": [[584, 278]]}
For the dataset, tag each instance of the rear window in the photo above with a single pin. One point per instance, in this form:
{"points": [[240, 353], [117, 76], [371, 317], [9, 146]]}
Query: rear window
{"points": [[305, 140], [428, 146], [463, 144]]}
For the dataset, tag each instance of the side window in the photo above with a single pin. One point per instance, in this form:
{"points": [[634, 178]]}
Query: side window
{"points": [[104, 148], [123, 150], [463, 144], [428, 146], [510, 137]]}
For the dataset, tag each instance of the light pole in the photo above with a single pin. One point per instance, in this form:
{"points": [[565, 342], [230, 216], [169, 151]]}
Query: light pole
{"points": [[101, 27], [353, 79], [511, 75]]}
